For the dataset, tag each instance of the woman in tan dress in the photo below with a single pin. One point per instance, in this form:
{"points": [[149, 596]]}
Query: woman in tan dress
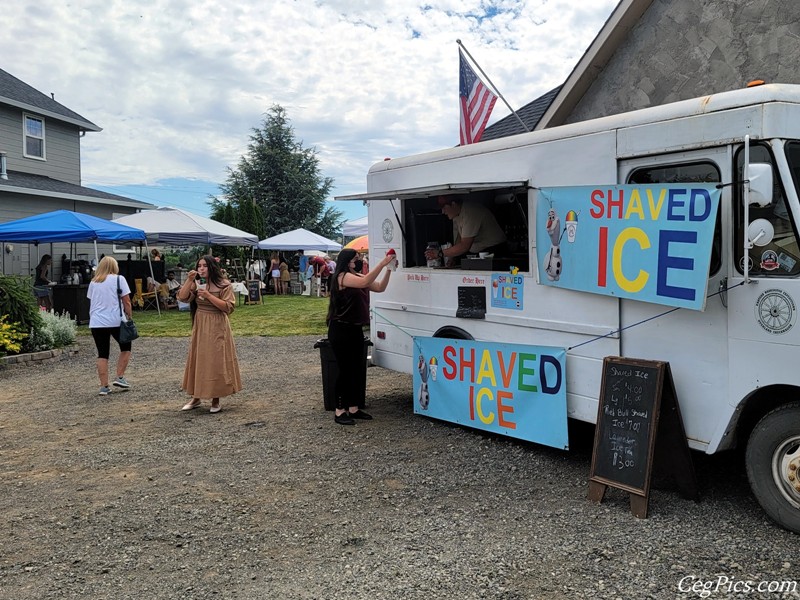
{"points": [[212, 369]]}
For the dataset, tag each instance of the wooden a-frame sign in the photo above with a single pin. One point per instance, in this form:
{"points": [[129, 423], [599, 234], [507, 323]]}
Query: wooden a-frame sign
{"points": [[639, 429]]}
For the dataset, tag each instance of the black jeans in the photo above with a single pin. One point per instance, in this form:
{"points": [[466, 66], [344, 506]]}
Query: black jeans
{"points": [[347, 344]]}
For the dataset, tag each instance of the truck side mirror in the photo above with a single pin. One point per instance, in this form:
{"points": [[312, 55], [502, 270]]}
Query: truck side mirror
{"points": [[760, 232], [760, 184]]}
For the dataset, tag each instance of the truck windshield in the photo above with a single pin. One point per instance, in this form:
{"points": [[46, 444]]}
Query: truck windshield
{"points": [[793, 158], [781, 257]]}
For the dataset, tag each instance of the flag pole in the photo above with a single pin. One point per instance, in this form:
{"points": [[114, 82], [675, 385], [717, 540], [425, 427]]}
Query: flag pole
{"points": [[474, 62]]}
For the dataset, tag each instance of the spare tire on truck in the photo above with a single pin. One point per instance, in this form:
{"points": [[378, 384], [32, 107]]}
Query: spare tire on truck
{"points": [[773, 464]]}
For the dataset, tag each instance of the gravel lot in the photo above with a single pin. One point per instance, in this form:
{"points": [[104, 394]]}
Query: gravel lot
{"points": [[127, 497]]}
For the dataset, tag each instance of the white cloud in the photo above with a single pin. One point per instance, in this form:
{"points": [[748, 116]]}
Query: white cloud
{"points": [[177, 85]]}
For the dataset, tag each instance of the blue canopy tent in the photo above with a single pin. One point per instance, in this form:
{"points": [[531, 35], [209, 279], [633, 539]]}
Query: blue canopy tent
{"points": [[72, 227], [67, 226]]}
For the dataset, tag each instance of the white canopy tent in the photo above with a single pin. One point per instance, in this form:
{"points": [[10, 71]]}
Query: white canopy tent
{"points": [[299, 239], [355, 228], [178, 227]]}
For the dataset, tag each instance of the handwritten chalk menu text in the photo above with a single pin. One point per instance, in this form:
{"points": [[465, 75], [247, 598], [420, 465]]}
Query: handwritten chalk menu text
{"points": [[638, 419], [624, 430], [253, 291]]}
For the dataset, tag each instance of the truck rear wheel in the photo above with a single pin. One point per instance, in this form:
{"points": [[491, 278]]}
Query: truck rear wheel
{"points": [[452, 333], [773, 465]]}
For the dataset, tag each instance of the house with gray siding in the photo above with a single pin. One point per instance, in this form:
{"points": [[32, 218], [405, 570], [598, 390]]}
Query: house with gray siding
{"points": [[40, 171]]}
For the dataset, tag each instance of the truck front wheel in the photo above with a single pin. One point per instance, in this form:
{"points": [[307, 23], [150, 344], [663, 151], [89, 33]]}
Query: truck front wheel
{"points": [[773, 465]]}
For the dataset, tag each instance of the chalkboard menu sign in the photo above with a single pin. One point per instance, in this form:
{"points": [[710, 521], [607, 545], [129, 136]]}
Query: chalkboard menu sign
{"points": [[637, 409], [471, 302], [624, 434], [253, 291]]}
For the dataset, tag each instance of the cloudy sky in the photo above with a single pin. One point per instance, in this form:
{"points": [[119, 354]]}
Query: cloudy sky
{"points": [[177, 85]]}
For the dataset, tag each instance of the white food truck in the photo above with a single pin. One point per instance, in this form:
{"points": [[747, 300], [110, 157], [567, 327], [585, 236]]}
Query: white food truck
{"points": [[733, 362]]}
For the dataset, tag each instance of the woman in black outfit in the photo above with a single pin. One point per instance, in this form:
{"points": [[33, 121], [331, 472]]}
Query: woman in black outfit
{"points": [[348, 312]]}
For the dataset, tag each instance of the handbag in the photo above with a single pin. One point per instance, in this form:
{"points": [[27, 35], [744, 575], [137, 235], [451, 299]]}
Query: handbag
{"points": [[127, 328]]}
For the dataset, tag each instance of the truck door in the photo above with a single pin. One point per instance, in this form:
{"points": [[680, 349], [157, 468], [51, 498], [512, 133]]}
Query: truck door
{"points": [[763, 313], [694, 342]]}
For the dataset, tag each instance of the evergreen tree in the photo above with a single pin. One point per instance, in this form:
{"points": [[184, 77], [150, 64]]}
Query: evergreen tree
{"points": [[278, 184]]}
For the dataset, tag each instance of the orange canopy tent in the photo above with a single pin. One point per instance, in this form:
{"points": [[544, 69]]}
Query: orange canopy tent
{"points": [[360, 244]]}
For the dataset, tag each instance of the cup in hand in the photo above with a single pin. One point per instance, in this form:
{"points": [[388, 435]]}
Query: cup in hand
{"points": [[392, 264]]}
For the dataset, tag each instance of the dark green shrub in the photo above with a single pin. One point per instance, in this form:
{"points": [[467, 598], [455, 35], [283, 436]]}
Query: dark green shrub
{"points": [[18, 303]]}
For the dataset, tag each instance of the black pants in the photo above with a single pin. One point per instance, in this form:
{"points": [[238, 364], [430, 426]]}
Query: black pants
{"points": [[102, 340], [347, 344]]}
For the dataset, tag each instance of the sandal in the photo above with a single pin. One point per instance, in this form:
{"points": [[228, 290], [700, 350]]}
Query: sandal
{"points": [[191, 405]]}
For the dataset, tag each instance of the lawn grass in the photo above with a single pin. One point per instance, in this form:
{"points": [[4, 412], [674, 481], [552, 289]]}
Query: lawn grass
{"points": [[278, 316]]}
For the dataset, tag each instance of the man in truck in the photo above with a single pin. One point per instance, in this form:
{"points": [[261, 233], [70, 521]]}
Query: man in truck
{"points": [[475, 229]]}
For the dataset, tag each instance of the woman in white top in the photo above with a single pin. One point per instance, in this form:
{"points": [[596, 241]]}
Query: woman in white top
{"points": [[106, 309]]}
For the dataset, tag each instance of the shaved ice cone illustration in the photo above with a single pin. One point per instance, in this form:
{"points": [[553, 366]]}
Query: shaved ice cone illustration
{"points": [[432, 366], [495, 287], [571, 222]]}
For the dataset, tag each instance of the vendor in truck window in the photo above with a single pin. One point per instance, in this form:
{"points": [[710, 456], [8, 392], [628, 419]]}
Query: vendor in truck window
{"points": [[474, 230]]}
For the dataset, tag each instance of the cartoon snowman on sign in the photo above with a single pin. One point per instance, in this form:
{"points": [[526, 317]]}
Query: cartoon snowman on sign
{"points": [[424, 394], [552, 260]]}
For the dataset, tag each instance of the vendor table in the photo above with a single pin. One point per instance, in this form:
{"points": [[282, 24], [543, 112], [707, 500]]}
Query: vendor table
{"points": [[72, 299], [240, 290]]}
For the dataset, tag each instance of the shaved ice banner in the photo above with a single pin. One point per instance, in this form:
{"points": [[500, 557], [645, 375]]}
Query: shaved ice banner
{"points": [[643, 242], [511, 389]]}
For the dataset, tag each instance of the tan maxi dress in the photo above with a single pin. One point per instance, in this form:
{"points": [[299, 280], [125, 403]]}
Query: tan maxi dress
{"points": [[212, 369]]}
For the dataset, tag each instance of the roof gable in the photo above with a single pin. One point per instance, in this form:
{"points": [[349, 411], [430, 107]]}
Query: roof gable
{"points": [[15, 92], [624, 18], [530, 115]]}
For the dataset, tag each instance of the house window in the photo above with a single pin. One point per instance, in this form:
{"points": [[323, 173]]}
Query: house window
{"points": [[33, 137], [128, 248]]}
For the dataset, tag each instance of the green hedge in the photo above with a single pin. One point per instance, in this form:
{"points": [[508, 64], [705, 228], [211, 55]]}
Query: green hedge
{"points": [[18, 304]]}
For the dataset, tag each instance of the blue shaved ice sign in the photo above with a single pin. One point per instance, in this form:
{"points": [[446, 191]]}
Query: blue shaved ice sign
{"points": [[644, 242], [511, 389]]}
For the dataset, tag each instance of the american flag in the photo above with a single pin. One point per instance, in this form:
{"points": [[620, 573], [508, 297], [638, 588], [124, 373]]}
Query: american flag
{"points": [[477, 102]]}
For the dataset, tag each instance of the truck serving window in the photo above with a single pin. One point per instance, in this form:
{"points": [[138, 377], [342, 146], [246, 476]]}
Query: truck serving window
{"points": [[781, 257], [427, 223], [696, 172]]}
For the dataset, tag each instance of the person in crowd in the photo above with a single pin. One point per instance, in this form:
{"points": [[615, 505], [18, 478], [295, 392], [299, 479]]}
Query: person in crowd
{"points": [[109, 302], [275, 271], [474, 230], [331, 264], [324, 273], [41, 283], [173, 285], [308, 277], [156, 255], [212, 368], [295, 261], [348, 312], [285, 277]]}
